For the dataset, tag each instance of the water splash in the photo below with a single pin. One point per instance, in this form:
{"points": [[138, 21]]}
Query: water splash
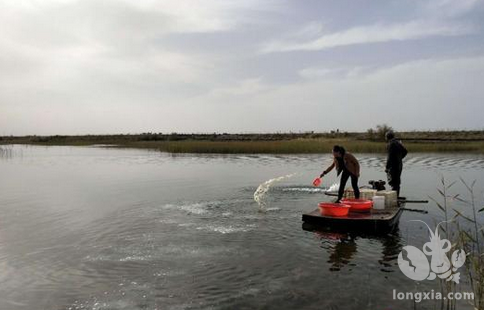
{"points": [[261, 191], [305, 189], [333, 188]]}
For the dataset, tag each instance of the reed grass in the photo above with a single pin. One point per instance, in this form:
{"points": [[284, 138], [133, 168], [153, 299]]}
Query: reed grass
{"points": [[466, 237], [264, 147], [444, 206], [471, 240], [301, 146], [254, 145]]}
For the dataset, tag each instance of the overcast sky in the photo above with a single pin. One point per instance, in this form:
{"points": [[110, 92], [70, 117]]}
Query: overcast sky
{"points": [[94, 66]]}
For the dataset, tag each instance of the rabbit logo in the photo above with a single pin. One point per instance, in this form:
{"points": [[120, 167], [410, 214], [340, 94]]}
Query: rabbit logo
{"points": [[414, 263]]}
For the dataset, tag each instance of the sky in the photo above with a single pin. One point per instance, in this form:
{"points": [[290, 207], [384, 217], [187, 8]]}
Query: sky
{"points": [[131, 66]]}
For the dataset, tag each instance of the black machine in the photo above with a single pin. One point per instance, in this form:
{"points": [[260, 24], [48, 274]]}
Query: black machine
{"points": [[378, 185]]}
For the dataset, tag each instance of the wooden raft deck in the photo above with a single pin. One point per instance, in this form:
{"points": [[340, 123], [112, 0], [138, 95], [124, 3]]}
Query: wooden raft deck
{"points": [[375, 221]]}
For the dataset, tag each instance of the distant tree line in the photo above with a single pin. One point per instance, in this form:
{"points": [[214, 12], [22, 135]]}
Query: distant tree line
{"points": [[373, 134], [378, 134]]}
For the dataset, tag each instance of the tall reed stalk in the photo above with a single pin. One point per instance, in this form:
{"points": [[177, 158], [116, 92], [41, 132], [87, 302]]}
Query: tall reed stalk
{"points": [[444, 205], [470, 239]]}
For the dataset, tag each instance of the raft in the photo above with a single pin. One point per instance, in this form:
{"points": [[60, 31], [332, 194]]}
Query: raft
{"points": [[375, 221]]}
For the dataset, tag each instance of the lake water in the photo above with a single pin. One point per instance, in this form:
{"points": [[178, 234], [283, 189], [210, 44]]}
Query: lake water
{"points": [[98, 228]]}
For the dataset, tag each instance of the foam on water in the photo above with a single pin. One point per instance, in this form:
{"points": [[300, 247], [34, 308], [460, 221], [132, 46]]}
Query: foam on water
{"points": [[273, 209], [196, 208], [192, 208], [226, 229], [304, 189]]}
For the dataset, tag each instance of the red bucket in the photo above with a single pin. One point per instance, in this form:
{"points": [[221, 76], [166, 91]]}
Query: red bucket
{"points": [[358, 205], [333, 209], [317, 182]]}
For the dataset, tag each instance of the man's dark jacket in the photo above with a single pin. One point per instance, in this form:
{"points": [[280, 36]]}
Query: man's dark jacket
{"points": [[396, 153]]}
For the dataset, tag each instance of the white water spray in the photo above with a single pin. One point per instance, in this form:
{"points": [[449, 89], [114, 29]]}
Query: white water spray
{"points": [[259, 194], [333, 188]]}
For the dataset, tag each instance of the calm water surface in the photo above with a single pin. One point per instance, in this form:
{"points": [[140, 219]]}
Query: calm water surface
{"points": [[97, 228]]}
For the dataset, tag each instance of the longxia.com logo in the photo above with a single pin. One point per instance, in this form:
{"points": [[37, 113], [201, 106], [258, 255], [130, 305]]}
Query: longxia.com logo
{"points": [[432, 295], [414, 263]]}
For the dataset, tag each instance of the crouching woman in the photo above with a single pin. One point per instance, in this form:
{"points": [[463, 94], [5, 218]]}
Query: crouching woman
{"points": [[347, 165]]}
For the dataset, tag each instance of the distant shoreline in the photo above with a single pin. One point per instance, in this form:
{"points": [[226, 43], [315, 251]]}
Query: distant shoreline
{"points": [[277, 143]]}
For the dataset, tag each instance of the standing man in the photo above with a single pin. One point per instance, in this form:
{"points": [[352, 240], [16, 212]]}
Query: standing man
{"points": [[396, 153]]}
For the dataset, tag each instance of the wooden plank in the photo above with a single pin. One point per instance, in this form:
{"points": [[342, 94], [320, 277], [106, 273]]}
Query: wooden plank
{"points": [[385, 214], [377, 221]]}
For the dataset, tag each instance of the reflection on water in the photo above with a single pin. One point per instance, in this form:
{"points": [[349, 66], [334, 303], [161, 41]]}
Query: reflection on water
{"points": [[342, 253], [392, 246], [6, 151], [97, 228], [343, 247]]}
